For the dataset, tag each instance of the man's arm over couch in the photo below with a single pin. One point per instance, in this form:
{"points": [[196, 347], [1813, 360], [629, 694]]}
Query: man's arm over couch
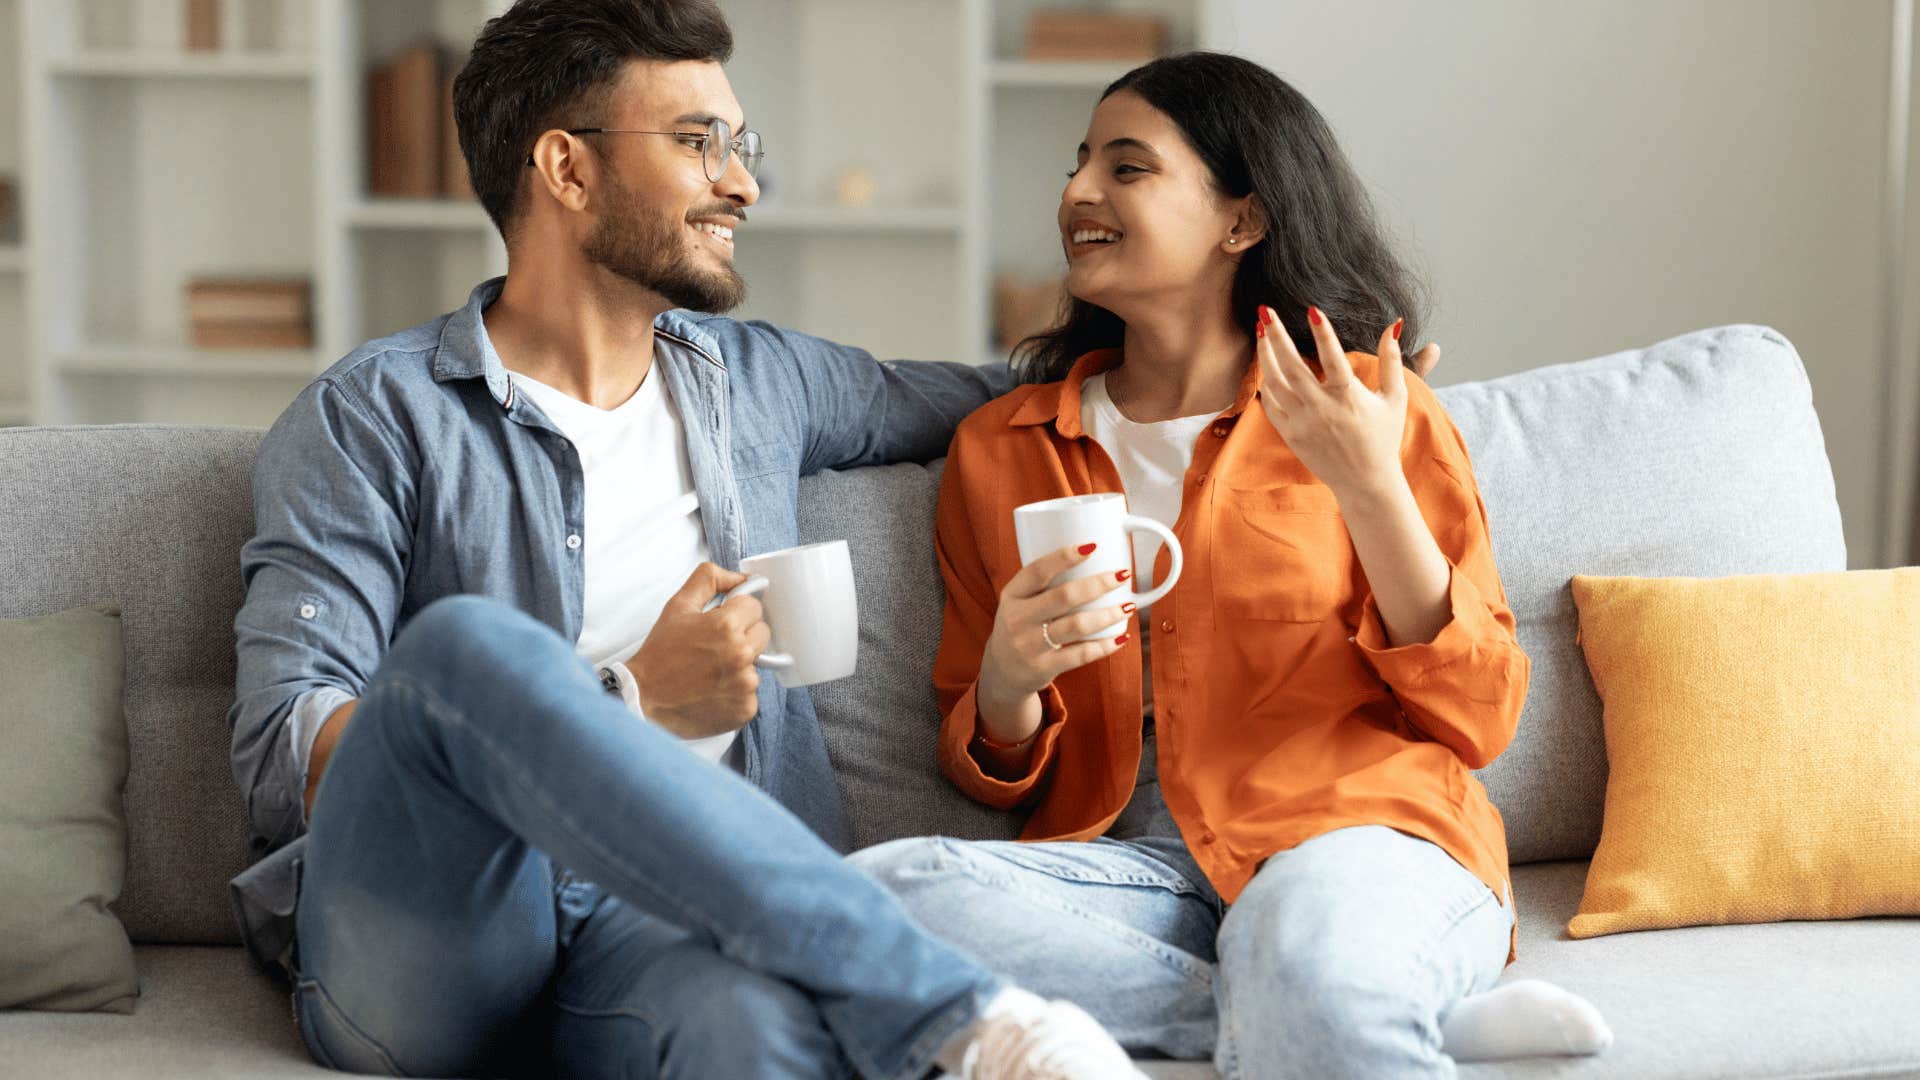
{"points": [[863, 411], [333, 501]]}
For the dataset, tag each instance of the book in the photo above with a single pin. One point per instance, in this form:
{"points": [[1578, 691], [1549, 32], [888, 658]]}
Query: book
{"points": [[454, 183], [249, 300], [252, 335], [203, 24], [1078, 34], [404, 148]]}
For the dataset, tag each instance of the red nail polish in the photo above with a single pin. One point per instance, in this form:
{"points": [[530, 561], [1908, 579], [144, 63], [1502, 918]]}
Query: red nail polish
{"points": [[1260, 328], [1396, 328], [1269, 314], [1122, 639], [1087, 549], [1129, 608], [1122, 575], [1313, 315]]}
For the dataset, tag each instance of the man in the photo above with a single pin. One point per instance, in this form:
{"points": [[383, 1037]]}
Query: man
{"points": [[503, 867]]}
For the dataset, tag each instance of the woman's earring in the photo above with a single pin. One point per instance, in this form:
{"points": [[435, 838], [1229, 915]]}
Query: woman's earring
{"points": [[1233, 240]]}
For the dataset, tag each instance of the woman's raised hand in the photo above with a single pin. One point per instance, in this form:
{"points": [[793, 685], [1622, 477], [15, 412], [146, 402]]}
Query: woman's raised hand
{"points": [[1035, 632], [1345, 433]]}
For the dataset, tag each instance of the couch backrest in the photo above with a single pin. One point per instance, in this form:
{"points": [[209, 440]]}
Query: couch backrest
{"points": [[152, 517], [1700, 456]]}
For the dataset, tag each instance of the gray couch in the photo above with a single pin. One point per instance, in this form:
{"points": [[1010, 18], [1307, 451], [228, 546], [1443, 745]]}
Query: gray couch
{"points": [[1699, 456]]}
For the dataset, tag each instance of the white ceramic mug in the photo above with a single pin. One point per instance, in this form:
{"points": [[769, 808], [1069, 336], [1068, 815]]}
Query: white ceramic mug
{"points": [[807, 596], [1043, 527]]}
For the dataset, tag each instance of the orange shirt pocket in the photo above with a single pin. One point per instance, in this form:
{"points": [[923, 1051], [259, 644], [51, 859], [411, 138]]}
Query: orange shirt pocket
{"points": [[1282, 554]]}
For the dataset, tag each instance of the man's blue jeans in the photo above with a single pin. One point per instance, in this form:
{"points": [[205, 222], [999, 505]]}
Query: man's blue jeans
{"points": [[447, 924]]}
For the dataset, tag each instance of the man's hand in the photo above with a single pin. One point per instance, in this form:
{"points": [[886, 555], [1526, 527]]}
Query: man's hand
{"points": [[695, 670]]}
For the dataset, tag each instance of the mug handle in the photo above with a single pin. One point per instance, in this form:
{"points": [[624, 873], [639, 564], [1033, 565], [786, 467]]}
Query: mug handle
{"points": [[753, 586], [1136, 523]]}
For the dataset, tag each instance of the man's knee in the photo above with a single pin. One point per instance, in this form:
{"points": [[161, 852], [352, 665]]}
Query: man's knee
{"points": [[899, 864]]}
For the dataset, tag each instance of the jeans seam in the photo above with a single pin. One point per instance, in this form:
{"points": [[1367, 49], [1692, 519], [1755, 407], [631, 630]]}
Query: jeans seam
{"points": [[1420, 966], [1166, 954], [314, 991]]}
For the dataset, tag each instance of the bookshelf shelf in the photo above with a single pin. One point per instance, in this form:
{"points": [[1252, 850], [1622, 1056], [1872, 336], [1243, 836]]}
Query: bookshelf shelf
{"points": [[157, 361], [959, 141], [182, 65], [392, 213], [1057, 74]]}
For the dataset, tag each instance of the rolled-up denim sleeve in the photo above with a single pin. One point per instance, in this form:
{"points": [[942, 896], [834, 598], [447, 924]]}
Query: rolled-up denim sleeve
{"points": [[863, 411], [323, 574]]}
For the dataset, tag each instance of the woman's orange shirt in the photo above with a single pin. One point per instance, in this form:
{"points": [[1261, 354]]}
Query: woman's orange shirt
{"points": [[1281, 710]]}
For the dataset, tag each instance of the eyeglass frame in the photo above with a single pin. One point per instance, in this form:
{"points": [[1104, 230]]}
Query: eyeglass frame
{"points": [[733, 145]]}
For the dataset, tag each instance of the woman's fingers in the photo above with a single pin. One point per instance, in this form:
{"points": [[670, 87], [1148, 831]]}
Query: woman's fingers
{"points": [[1299, 376], [1033, 578], [1081, 623], [1393, 377], [1068, 657], [1066, 596], [1333, 355], [1426, 359]]}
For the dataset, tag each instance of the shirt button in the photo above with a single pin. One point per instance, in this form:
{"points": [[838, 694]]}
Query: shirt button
{"points": [[1220, 430], [1201, 479], [1353, 641], [1207, 838], [1166, 626], [573, 541], [308, 611]]}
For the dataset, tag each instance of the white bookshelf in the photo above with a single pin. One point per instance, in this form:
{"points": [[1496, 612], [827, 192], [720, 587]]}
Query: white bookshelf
{"points": [[16, 369], [151, 165]]}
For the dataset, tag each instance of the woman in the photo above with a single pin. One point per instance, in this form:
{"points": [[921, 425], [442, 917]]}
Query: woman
{"points": [[1254, 828]]}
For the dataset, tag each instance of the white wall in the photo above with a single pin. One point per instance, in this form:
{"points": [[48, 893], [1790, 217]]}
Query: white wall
{"points": [[1586, 176]]}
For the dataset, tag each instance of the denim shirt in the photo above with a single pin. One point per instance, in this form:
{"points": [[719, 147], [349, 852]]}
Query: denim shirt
{"points": [[411, 470]]}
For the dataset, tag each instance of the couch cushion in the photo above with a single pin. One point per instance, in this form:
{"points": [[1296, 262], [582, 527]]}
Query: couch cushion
{"points": [[151, 518], [63, 826], [1797, 999], [1700, 456]]}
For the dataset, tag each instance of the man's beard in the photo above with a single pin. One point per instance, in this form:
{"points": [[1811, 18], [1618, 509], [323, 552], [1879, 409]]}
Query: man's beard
{"points": [[635, 245]]}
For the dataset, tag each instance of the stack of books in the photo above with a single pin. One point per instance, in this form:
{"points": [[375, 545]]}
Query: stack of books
{"points": [[413, 149], [250, 312], [9, 228], [1081, 34]]}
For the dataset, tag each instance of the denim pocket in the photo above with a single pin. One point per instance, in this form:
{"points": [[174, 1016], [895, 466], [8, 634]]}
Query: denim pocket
{"points": [[334, 1040]]}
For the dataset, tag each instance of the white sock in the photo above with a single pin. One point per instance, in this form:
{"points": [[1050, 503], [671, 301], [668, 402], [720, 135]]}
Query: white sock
{"points": [[1523, 1018], [954, 1053]]}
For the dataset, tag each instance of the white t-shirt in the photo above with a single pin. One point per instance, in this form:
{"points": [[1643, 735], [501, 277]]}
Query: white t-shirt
{"points": [[1152, 460], [643, 534]]}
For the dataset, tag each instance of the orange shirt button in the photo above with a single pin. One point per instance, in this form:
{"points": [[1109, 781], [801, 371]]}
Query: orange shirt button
{"points": [[1201, 479], [1166, 626], [1220, 430], [1207, 838]]}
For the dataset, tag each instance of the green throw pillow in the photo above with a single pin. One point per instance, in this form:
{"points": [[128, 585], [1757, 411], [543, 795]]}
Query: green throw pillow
{"points": [[63, 831]]}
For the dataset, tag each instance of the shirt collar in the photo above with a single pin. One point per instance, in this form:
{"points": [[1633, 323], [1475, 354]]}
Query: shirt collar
{"points": [[466, 352], [1059, 402]]}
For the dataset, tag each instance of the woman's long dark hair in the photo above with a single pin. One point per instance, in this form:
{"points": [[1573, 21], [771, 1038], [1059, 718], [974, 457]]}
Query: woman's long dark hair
{"points": [[1323, 244]]}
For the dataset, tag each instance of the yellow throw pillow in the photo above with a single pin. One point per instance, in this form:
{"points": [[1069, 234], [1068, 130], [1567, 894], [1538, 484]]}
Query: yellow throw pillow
{"points": [[1763, 744]]}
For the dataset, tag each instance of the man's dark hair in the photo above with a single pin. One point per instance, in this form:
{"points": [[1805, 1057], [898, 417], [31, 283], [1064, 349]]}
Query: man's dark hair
{"points": [[553, 64]]}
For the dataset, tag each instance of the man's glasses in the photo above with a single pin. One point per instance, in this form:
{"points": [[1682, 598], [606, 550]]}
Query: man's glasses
{"points": [[716, 146]]}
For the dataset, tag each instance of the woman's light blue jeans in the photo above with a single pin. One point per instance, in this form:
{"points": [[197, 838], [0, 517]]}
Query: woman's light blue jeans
{"points": [[1337, 960], [447, 927]]}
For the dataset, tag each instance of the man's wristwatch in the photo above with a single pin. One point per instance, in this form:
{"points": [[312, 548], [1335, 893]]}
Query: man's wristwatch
{"points": [[617, 679]]}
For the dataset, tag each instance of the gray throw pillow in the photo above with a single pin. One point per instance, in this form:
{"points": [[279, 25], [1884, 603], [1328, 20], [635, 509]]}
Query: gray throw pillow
{"points": [[63, 831]]}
